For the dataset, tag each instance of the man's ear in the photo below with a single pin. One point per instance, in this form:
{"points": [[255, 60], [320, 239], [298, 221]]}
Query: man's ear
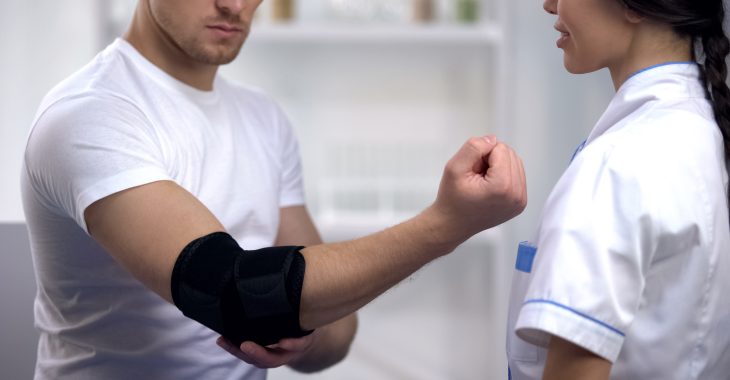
{"points": [[633, 16]]}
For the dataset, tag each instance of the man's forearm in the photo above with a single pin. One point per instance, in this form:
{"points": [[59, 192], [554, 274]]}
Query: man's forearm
{"points": [[343, 277]]}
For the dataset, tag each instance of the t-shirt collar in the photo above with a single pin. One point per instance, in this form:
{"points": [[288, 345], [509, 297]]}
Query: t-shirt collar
{"points": [[165, 79]]}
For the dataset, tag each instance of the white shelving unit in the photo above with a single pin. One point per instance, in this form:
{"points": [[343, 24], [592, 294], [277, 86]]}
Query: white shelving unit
{"points": [[363, 104], [310, 45], [477, 35]]}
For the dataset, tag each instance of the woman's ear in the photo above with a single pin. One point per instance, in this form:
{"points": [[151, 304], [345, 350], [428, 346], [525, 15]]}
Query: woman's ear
{"points": [[633, 16]]}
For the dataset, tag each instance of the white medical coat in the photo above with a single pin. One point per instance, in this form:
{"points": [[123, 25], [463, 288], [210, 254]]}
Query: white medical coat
{"points": [[632, 259]]}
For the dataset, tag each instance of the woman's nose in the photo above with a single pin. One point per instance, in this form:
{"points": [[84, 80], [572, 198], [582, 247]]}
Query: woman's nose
{"points": [[550, 6]]}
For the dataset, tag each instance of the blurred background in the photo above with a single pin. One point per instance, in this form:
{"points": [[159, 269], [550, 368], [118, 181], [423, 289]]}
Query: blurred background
{"points": [[381, 93]]}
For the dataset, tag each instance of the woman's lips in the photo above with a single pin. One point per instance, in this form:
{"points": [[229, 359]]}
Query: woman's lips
{"points": [[564, 36], [562, 40]]}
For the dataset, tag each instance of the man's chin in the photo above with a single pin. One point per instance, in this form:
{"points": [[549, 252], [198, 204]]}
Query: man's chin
{"points": [[223, 60], [219, 56]]}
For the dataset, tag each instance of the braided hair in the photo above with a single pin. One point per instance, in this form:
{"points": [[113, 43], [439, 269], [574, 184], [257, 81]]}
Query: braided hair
{"points": [[702, 22]]}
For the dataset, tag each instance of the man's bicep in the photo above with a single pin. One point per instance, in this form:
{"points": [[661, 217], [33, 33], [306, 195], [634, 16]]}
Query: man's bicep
{"points": [[146, 227]]}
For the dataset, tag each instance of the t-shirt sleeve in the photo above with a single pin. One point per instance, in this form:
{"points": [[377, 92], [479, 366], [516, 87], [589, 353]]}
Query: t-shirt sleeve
{"points": [[85, 148], [593, 250], [292, 183]]}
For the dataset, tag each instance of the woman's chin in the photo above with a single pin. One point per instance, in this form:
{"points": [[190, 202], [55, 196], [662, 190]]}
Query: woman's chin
{"points": [[577, 68]]}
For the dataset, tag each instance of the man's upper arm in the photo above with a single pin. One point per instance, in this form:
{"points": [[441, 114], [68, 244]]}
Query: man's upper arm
{"points": [[146, 227]]}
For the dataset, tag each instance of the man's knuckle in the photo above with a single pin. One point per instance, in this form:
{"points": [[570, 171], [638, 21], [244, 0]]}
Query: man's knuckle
{"points": [[474, 142]]}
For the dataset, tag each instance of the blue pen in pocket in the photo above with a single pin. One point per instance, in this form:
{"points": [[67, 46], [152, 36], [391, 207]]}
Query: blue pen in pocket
{"points": [[525, 256]]}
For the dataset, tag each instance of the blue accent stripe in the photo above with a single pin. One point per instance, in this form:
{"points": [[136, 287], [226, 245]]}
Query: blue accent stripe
{"points": [[660, 65], [578, 149], [525, 256], [604, 324]]}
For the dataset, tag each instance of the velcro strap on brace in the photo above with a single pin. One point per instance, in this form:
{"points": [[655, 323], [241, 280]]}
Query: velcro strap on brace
{"points": [[242, 295]]}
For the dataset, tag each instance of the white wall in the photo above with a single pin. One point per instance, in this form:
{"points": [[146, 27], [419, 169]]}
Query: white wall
{"points": [[41, 42]]}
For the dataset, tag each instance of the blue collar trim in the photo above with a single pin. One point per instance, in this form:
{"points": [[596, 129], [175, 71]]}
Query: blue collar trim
{"points": [[660, 65]]}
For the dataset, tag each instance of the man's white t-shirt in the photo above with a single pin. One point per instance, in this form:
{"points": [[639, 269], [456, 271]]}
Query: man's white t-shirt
{"points": [[632, 259], [118, 123]]}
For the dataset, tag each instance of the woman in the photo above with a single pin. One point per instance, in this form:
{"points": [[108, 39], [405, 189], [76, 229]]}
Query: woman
{"points": [[630, 273]]}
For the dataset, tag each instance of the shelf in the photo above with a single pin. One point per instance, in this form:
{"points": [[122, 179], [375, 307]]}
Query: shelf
{"points": [[476, 34]]}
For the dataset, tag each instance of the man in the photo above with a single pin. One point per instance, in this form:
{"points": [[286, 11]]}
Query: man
{"points": [[144, 172]]}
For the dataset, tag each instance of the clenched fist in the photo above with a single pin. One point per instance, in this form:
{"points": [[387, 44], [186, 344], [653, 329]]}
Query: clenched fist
{"points": [[483, 185]]}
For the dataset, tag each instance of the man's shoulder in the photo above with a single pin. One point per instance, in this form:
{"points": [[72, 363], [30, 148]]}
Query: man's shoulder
{"points": [[102, 79], [95, 94]]}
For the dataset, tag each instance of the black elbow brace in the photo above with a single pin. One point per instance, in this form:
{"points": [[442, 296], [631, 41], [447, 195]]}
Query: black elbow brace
{"points": [[242, 295]]}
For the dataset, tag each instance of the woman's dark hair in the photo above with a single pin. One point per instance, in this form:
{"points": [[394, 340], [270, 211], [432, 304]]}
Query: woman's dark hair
{"points": [[702, 22]]}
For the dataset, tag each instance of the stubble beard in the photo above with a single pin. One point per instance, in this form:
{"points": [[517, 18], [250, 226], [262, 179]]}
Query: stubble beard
{"points": [[219, 54], [194, 47]]}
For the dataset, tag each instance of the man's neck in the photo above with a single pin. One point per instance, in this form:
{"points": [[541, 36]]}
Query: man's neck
{"points": [[155, 45]]}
